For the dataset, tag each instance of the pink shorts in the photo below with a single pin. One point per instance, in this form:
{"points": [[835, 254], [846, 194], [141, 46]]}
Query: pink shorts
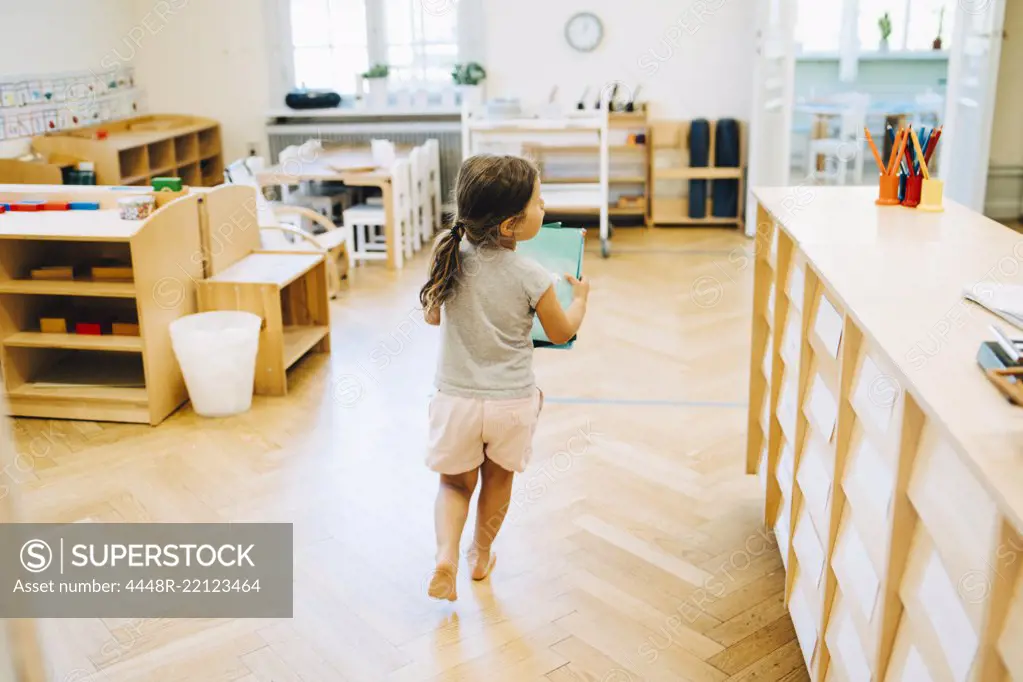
{"points": [[465, 430]]}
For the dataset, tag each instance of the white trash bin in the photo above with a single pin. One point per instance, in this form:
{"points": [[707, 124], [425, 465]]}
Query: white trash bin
{"points": [[217, 355]]}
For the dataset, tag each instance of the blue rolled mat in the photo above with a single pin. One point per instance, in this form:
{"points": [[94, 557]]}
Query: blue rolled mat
{"points": [[725, 193], [699, 156]]}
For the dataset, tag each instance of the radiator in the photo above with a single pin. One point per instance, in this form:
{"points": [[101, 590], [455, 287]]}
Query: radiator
{"points": [[447, 134]]}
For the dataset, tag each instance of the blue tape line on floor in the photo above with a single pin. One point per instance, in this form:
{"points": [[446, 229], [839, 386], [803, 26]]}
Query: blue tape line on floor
{"points": [[642, 403]]}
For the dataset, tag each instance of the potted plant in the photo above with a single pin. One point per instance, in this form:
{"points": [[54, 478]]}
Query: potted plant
{"points": [[468, 77], [885, 24], [941, 25], [376, 78]]}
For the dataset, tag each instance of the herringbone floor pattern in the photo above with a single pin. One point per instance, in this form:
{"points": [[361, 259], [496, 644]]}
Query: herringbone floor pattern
{"points": [[634, 548]]}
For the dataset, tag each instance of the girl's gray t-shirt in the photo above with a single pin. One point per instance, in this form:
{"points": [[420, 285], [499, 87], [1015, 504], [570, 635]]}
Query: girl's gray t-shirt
{"points": [[486, 346]]}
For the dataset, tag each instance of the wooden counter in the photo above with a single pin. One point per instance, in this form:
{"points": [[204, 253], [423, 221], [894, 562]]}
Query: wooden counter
{"points": [[892, 469]]}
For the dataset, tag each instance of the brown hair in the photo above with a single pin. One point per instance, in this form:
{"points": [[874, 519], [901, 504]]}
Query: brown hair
{"points": [[489, 190]]}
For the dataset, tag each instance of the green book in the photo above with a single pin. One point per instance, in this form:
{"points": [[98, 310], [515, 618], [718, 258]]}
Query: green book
{"points": [[558, 250]]}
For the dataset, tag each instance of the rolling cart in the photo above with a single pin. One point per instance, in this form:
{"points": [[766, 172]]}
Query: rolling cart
{"points": [[497, 135]]}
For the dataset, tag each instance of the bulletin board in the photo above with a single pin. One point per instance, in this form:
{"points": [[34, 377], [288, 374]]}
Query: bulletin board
{"points": [[38, 104]]}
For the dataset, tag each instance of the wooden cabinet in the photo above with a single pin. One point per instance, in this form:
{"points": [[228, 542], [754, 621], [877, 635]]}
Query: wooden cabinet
{"points": [[133, 151], [902, 547]]}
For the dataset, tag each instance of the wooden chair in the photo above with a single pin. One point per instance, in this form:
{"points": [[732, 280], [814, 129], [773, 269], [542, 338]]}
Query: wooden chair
{"points": [[419, 194], [434, 186], [332, 241], [286, 288], [361, 221]]}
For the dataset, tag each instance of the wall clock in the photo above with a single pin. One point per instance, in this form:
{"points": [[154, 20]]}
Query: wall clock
{"points": [[584, 31]]}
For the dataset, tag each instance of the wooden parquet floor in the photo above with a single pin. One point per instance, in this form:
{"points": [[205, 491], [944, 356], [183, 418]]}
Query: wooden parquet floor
{"points": [[634, 548]]}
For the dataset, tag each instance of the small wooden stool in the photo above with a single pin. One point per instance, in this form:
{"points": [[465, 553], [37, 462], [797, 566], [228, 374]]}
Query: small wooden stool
{"points": [[289, 293]]}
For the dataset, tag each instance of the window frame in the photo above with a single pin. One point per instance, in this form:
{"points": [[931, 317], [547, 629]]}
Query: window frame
{"points": [[469, 41]]}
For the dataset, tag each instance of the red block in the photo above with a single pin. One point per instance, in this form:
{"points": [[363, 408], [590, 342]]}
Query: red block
{"points": [[3, 209], [88, 328], [56, 206], [26, 207]]}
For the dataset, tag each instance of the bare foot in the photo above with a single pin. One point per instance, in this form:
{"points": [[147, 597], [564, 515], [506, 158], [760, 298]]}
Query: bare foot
{"points": [[442, 582], [482, 561]]}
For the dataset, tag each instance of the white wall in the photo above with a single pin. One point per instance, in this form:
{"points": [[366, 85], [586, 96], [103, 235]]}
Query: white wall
{"points": [[1003, 193], [210, 59], [78, 36], [694, 58]]}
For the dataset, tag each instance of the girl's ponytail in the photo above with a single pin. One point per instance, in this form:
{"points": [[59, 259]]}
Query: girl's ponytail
{"points": [[447, 266]]}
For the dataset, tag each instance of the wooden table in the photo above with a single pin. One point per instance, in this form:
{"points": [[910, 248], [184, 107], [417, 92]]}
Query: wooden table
{"points": [[892, 468], [353, 167]]}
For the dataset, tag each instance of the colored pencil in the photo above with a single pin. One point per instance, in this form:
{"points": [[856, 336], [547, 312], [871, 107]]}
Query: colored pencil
{"points": [[926, 146], [895, 148], [923, 162], [933, 145], [903, 146], [873, 148]]}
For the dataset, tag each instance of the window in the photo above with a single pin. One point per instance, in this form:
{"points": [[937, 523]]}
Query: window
{"points": [[914, 23], [334, 41]]}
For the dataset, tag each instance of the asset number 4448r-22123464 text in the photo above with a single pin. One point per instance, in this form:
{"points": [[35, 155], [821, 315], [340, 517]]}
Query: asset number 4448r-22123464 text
{"points": [[192, 585]]}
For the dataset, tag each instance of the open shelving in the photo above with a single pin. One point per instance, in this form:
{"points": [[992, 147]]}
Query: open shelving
{"points": [[80, 376], [136, 150], [671, 172]]}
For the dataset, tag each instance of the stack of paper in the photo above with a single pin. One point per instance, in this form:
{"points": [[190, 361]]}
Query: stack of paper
{"points": [[558, 250], [1004, 300]]}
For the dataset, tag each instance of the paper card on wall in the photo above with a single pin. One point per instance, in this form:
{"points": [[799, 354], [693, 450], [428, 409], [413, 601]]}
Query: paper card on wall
{"points": [[22, 94], [808, 549], [915, 669], [3, 127], [814, 480], [797, 283], [855, 566], [872, 475], [792, 342], [851, 650], [828, 326], [781, 535], [8, 95], [48, 90], [940, 600], [25, 125], [805, 626], [12, 127], [784, 472], [50, 117], [823, 407], [787, 408], [38, 123], [876, 393], [60, 89], [35, 92]]}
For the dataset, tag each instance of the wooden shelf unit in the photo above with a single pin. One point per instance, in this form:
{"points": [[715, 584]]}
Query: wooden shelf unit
{"points": [[671, 139], [286, 289], [138, 149], [887, 462], [638, 155], [101, 378]]}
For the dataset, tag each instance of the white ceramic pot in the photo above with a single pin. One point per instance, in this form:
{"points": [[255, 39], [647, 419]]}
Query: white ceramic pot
{"points": [[378, 93]]}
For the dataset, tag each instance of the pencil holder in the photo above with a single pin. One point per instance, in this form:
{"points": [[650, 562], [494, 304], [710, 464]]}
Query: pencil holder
{"points": [[888, 190], [912, 195], [931, 195], [902, 186]]}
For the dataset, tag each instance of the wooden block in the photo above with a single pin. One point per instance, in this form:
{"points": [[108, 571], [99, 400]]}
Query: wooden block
{"points": [[83, 205], [125, 329], [117, 273], [27, 206], [88, 328], [53, 325], [56, 206], [61, 272]]}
